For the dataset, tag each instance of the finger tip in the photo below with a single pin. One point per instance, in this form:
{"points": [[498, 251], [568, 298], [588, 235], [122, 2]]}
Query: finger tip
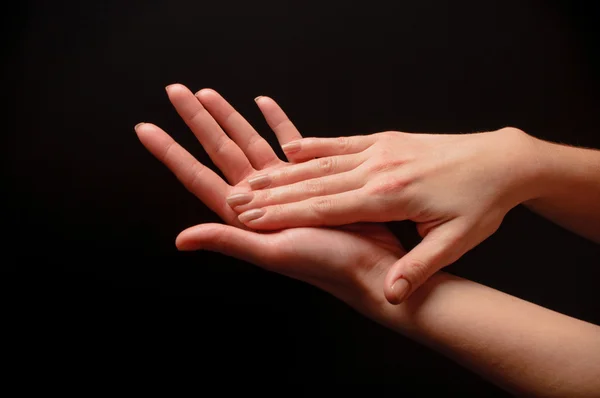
{"points": [[398, 291], [180, 242], [206, 93], [390, 297], [184, 243], [137, 126], [263, 100], [252, 218], [142, 129], [174, 88]]}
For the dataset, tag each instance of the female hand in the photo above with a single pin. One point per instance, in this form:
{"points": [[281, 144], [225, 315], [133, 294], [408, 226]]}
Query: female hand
{"points": [[349, 262], [457, 188], [499, 336]]}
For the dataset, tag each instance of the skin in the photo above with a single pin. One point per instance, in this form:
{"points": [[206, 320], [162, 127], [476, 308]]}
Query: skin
{"points": [[457, 188], [520, 346]]}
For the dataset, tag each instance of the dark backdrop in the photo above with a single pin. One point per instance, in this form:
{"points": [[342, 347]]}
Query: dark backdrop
{"points": [[91, 217]]}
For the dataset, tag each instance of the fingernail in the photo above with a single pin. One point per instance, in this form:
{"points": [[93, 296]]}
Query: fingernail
{"points": [[260, 181], [251, 215], [257, 98], [203, 89], [400, 288], [168, 87], [138, 125], [239, 199], [291, 147]]}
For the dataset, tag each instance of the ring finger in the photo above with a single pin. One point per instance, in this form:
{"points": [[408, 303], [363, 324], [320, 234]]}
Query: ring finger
{"points": [[307, 170], [327, 185]]}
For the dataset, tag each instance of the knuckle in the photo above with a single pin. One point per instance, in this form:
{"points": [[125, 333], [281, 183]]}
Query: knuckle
{"points": [[252, 141], [321, 206], [281, 124], [326, 165], [168, 150], [385, 163], [263, 197], [196, 172], [281, 176], [387, 186], [222, 146], [386, 134], [510, 129], [314, 187], [195, 116], [343, 143], [276, 211], [417, 270]]}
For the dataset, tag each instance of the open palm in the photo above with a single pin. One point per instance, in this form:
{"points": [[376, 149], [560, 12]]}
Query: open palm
{"points": [[349, 262]]}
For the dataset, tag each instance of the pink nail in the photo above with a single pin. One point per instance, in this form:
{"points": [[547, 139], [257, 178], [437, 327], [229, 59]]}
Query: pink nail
{"points": [[292, 147], [239, 199], [400, 288], [259, 182], [251, 215]]}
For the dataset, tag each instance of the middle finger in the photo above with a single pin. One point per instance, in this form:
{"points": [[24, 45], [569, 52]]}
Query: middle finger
{"points": [[225, 154]]}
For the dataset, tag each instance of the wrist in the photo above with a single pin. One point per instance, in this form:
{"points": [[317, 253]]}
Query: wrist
{"points": [[544, 162], [364, 291], [527, 168]]}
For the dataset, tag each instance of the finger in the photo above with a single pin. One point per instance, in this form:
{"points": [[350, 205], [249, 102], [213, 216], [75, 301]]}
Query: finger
{"points": [[257, 149], [276, 118], [305, 171], [232, 241], [439, 248], [315, 187], [225, 154], [197, 178], [343, 208], [308, 148]]}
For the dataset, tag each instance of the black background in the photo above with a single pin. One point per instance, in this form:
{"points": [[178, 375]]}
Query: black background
{"points": [[96, 286]]}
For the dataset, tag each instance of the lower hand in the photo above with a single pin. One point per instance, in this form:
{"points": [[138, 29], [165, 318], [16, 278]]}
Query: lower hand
{"points": [[349, 262], [457, 188]]}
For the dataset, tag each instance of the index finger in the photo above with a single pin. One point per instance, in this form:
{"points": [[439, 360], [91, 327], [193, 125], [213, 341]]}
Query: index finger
{"points": [[204, 183]]}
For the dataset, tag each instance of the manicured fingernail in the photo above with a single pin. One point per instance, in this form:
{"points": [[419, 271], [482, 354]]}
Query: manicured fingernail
{"points": [[291, 147], [138, 125], [168, 87], [400, 288], [251, 215], [239, 199], [257, 98], [260, 181]]}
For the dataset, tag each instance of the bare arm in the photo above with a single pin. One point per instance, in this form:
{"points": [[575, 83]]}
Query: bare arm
{"points": [[568, 187], [516, 344], [520, 346], [456, 188]]}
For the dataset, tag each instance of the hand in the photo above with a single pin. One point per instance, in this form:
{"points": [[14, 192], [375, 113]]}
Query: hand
{"points": [[457, 188], [349, 263]]}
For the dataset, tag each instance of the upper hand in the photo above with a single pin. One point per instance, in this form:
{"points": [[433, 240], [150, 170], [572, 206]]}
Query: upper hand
{"points": [[457, 188], [349, 262]]}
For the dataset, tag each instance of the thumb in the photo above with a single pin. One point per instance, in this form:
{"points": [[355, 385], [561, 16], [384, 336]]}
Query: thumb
{"points": [[231, 241], [440, 247]]}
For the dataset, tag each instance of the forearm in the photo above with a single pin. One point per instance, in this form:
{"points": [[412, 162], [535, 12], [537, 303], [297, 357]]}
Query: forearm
{"points": [[518, 345], [568, 187]]}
